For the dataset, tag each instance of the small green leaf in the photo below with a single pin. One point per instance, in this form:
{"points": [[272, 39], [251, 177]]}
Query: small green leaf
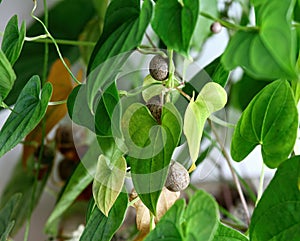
{"points": [[174, 23], [7, 76], [6, 215], [124, 28], [80, 179], [225, 233], [13, 39], [153, 88], [100, 227], [150, 148], [201, 217], [202, 28], [198, 222], [270, 120], [169, 227], [30, 108], [108, 182], [268, 53], [211, 98], [276, 216]]}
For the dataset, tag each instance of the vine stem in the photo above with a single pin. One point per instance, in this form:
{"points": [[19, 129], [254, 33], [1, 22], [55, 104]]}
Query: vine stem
{"points": [[54, 42], [235, 178], [43, 39], [261, 184], [228, 24]]}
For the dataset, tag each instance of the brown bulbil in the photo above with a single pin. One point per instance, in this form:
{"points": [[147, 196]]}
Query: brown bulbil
{"points": [[159, 68], [178, 177], [155, 110]]}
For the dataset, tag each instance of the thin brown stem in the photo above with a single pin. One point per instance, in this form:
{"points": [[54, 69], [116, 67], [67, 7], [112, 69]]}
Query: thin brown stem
{"points": [[183, 93], [150, 41], [235, 178]]}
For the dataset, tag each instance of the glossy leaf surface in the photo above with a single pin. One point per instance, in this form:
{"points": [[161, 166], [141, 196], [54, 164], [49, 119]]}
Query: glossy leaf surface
{"points": [[100, 227], [124, 27], [13, 39], [211, 98], [270, 120], [276, 216], [268, 52], [175, 22], [108, 181], [150, 148]]}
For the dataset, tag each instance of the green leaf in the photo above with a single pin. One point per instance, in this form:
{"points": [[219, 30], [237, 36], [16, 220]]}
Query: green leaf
{"points": [[100, 227], [225, 233], [276, 216], [198, 222], [80, 179], [217, 72], [270, 120], [31, 60], [211, 98], [78, 108], [29, 109], [104, 111], [202, 28], [150, 148], [124, 27], [5, 235], [169, 227], [6, 216], [7, 76], [269, 52], [175, 22], [201, 217], [108, 182], [22, 181], [13, 39]]}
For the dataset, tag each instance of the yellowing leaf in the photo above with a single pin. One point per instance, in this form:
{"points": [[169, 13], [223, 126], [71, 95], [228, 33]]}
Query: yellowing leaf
{"points": [[212, 98], [165, 201], [62, 87], [108, 182]]}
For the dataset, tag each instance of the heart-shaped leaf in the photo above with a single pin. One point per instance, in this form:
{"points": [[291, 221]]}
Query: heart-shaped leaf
{"points": [[7, 76], [175, 22], [201, 217], [124, 27], [198, 222], [268, 52], [276, 216], [28, 111], [100, 227], [13, 39], [270, 120], [108, 181], [62, 87], [150, 148], [211, 98]]}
